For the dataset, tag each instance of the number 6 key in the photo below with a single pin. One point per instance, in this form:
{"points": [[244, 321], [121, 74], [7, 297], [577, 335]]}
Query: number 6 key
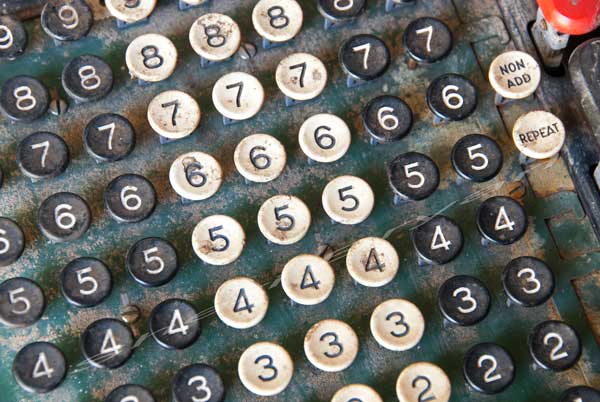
{"points": [[130, 198]]}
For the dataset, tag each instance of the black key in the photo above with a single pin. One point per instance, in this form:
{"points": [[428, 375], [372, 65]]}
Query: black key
{"points": [[22, 302], [464, 300], [12, 242], [198, 382], [364, 57], [130, 393], [107, 343], [452, 97], [555, 345], [67, 20], [489, 368], [477, 157], [109, 137], [130, 198], [174, 324], [387, 118], [338, 11], [24, 98], [501, 220], [437, 241], [528, 281], [13, 37], [42, 155], [64, 217], [413, 176], [152, 261], [39, 367], [580, 393], [427, 40], [85, 282], [87, 78]]}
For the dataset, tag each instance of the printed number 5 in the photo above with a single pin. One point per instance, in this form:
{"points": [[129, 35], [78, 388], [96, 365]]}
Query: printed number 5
{"points": [[344, 197]]}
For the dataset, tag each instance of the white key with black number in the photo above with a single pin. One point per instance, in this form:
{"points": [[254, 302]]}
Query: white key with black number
{"points": [[331, 345], [284, 219], [301, 76], [238, 96], [356, 393], [260, 158], [277, 21], [423, 381], [195, 176], [348, 200], [372, 261], [215, 37], [324, 138], [265, 369], [218, 240], [130, 11], [307, 279], [397, 324], [173, 114], [241, 303], [151, 58]]}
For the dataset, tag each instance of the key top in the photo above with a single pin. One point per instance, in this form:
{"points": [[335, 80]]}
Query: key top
{"points": [[130, 392], [477, 158], [387, 118], [307, 279], [451, 97], [301, 77], [238, 96], [13, 37], [195, 176], [514, 75], [67, 20], [129, 12], [24, 98], [277, 21], [152, 261], [87, 78], [364, 58], [86, 282], [356, 393], [42, 155], [241, 303], [464, 300], [130, 198], [284, 219], [12, 242], [22, 302], [109, 137], [174, 114], [423, 381], [528, 281], [324, 138], [64, 217], [555, 345], [198, 382], [427, 40], [501, 220], [174, 324], [39, 367], [151, 58], [260, 158], [489, 368], [372, 262], [337, 12], [348, 200], [397, 325], [218, 240], [539, 134], [437, 241], [331, 345], [413, 176], [265, 369], [215, 37], [107, 343], [580, 393]]}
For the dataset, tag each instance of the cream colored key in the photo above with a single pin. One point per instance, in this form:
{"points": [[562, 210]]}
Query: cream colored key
{"points": [[514, 74], [130, 11], [218, 240], [195, 2], [372, 261], [356, 393], [238, 96], [397, 324], [284, 219], [324, 138], [174, 114], [241, 303], [307, 279], [539, 134], [260, 158], [151, 58], [215, 37], [423, 381], [195, 176], [348, 200], [277, 20], [265, 369], [301, 76], [331, 345]]}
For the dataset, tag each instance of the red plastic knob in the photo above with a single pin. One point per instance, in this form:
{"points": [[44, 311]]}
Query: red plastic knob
{"points": [[573, 17]]}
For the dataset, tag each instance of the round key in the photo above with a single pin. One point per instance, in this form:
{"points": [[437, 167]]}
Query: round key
{"points": [[580, 393], [265, 368], [130, 11], [130, 393], [174, 114], [42, 155], [438, 241], [218, 240], [23, 98], [528, 281], [427, 40], [151, 57], [22, 302], [152, 261], [372, 261], [307, 279], [13, 37], [260, 158], [241, 303], [198, 382], [238, 96], [397, 325], [196, 176], [324, 138], [331, 345], [539, 134], [67, 20], [464, 300], [87, 78], [39, 367], [387, 118], [514, 74], [277, 20], [174, 324], [12, 242], [555, 345], [501, 220], [452, 97], [284, 219], [477, 157], [64, 217], [356, 393], [413, 176], [86, 282], [109, 137], [365, 57], [489, 368], [107, 343], [301, 76], [348, 200], [130, 198], [340, 10], [423, 381], [215, 37]]}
